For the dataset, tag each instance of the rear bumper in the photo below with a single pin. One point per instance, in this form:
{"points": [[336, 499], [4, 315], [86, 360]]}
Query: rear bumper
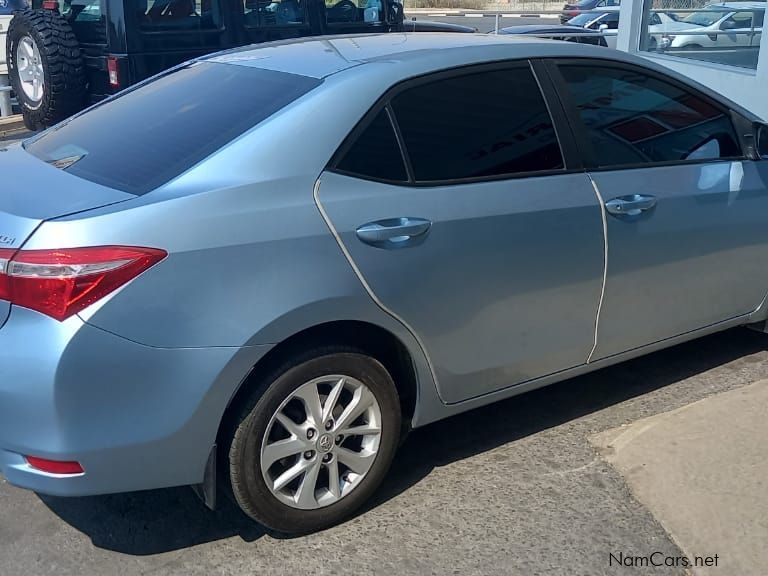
{"points": [[135, 417]]}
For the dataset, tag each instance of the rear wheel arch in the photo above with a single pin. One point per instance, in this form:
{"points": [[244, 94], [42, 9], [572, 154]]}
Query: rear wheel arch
{"points": [[369, 338]]}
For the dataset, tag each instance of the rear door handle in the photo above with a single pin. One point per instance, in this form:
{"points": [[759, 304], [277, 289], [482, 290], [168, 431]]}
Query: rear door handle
{"points": [[394, 232], [632, 205]]}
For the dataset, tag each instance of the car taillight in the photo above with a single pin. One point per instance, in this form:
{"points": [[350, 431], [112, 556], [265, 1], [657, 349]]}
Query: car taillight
{"points": [[61, 283], [51, 5], [114, 75]]}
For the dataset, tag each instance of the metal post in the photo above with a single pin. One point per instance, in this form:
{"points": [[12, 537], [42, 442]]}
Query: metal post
{"points": [[5, 96], [497, 24]]}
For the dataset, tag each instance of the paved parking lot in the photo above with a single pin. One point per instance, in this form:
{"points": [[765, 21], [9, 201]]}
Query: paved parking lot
{"points": [[514, 488]]}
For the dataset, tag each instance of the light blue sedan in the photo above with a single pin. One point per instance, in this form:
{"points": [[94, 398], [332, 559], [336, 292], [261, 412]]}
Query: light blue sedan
{"points": [[267, 265]]}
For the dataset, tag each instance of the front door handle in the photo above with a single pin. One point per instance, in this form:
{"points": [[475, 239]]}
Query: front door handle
{"points": [[394, 232], [632, 205]]}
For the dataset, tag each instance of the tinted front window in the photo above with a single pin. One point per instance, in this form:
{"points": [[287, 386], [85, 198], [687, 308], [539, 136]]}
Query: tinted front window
{"points": [[177, 15], [149, 135], [631, 118], [477, 125], [375, 153]]}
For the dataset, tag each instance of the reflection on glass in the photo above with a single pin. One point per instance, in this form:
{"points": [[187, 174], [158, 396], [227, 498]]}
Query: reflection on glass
{"points": [[725, 33]]}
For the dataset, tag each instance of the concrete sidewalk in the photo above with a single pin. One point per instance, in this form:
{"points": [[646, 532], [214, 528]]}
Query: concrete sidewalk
{"points": [[702, 471]]}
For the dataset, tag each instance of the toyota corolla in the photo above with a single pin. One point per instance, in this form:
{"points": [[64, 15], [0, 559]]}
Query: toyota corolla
{"points": [[254, 273]]}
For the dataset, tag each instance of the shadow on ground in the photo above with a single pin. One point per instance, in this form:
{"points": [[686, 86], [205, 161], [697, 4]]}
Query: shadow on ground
{"points": [[172, 519]]}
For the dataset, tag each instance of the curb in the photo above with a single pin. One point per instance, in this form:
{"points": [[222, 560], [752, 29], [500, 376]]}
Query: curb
{"points": [[9, 125]]}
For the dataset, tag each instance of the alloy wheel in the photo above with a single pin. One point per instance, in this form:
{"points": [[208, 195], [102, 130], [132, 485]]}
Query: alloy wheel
{"points": [[321, 442], [30, 69]]}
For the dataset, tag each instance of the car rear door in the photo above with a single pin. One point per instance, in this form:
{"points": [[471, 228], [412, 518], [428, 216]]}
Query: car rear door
{"points": [[687, 240], [460, 216]]}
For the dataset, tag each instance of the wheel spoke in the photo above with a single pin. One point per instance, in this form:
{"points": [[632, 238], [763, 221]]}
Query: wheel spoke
{"points": [[305, 495], [293, 428], [362, 430], [334, 484], [281, 449], [36, 88], [311, 399], [29, 50], [289, 475], [333, 398], [361, 401], [358, 462]]}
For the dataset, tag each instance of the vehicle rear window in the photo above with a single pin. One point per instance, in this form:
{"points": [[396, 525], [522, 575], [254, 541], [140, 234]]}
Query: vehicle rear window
{"points": [[148, 135], [376, 153]]}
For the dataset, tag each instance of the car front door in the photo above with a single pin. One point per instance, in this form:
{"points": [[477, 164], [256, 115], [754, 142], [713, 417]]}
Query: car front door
{"points": [[457, 210], [687, 240]]}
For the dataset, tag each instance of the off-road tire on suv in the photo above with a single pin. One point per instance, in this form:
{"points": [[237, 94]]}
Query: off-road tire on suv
{"points": [[64, 80]]}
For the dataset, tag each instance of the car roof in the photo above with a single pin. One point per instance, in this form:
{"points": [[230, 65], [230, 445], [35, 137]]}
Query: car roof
{"points": [[321, 57]]}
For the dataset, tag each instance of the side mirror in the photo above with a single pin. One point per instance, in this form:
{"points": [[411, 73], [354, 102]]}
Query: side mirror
{"points": [[761, 140], [729, 25], [603, 28]]}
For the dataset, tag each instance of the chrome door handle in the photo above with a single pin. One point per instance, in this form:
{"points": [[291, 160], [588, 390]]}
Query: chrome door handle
{"points": [[394, 232], [631, 205]]}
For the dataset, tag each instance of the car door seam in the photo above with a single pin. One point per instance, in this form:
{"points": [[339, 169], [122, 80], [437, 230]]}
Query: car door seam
{"points": [[604, 218], [367, 287]]}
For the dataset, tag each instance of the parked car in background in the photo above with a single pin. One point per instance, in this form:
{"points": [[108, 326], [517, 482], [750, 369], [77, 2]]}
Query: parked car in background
{"points": [[573, 9], [193, 291], [66, 54], [557, 32], [607, 23], [722, 25]]}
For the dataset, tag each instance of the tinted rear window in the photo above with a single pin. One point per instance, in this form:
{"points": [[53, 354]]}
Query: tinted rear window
{"points": [[149, 135]]}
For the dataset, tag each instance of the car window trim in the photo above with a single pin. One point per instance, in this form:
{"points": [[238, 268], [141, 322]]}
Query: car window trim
{"points": [[580, 132], [436, 76]]}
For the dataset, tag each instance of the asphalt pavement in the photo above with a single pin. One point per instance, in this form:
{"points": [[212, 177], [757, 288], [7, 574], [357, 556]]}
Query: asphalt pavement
{"points": [[515, 488]]}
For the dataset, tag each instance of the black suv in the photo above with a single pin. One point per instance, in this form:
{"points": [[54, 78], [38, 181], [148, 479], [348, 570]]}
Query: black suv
{"points": [[66, 54]]}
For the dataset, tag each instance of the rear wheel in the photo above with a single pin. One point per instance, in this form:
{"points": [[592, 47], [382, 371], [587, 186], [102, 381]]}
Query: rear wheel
{"points": [[46, 67], [315, 441]]}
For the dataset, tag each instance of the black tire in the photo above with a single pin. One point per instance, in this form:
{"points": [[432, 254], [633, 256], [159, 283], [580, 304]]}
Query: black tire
{"points": [[64, 80], [243, 453]]}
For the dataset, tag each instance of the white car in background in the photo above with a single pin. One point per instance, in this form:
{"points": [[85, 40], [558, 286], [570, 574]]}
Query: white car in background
{"points": [[606, 21], [723, 25]]}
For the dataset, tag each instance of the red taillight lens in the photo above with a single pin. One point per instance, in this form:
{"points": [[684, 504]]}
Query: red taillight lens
{"points": [[54, 466], [63, 282], [114, 75], [51, 5]]}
